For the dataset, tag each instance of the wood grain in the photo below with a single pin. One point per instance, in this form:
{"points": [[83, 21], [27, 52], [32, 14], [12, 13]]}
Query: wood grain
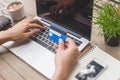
{"points": [[7, 72], [23, 69]]}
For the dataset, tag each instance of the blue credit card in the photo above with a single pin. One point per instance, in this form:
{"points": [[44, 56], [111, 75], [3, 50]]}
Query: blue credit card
{"points": [[55, 36]]}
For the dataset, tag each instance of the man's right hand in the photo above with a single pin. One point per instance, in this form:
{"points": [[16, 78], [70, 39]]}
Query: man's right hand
{"points": [[65, 59]]}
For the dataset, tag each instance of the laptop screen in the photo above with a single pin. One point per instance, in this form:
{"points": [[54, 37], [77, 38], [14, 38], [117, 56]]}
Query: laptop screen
{"points": [[74, 15]]}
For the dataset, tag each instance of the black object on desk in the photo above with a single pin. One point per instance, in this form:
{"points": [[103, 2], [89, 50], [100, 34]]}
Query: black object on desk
{"points": [[5, 23]]}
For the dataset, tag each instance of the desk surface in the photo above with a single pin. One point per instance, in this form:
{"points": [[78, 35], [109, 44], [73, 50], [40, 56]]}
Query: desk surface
{"points": [[12, 68]]}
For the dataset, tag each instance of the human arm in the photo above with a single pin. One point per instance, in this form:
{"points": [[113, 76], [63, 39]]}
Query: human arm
{"points": [[20, 32], [65, 59]]}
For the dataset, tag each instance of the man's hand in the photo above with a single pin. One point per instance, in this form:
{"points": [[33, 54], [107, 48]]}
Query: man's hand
{"points": [[62, 9], [65, 59], [20, 32]]}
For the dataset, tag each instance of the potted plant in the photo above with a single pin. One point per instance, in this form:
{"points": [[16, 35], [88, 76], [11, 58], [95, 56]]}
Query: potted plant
{"points": [[108, 20]]}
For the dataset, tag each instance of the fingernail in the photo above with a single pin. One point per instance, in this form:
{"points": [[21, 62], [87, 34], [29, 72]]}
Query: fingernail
{"points": [[60, 40]]}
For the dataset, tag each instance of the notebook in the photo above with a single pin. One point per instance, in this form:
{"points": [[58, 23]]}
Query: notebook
{"points": [[112, 72]]}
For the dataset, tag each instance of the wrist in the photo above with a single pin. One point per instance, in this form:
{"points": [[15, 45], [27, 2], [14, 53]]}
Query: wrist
{"points": [[60, 74], [4, 36]]}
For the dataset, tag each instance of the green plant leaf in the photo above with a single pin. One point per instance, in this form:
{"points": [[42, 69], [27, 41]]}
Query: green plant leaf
{"points": [[108, 19]]}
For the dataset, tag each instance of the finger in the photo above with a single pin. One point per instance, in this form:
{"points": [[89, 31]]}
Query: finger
{"points": [[36, 21], [24, 20], [28, 34], [70, 42], [56, 46], [61, 45], [27, 19], [35, 26]]}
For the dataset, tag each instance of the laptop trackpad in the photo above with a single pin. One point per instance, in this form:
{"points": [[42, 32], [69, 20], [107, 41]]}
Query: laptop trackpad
{"points": [[36, 56]]}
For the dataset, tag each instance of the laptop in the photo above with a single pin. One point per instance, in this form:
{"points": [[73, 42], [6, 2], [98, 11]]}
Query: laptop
{"points": [[38, 51]]}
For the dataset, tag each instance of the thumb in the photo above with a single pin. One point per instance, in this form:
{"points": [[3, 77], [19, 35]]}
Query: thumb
{"points": [[61, 45]]}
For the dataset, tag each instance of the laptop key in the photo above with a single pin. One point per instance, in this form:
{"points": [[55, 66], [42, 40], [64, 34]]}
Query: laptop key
{"points": [[53, 50], [42, 39], [36, 35], [39, 37], [77, 43], [46, 41], [38, 41], [50, 48]]}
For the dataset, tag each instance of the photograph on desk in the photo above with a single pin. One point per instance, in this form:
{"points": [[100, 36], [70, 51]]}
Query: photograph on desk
{"points": [[92, 70]]}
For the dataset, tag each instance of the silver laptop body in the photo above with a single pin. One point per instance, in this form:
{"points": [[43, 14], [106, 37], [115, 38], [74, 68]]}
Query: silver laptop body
{"points": [[38, 51]]}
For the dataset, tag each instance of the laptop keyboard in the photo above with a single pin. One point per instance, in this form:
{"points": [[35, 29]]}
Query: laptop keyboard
{"points": [[77, 42], [41, 38]]}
